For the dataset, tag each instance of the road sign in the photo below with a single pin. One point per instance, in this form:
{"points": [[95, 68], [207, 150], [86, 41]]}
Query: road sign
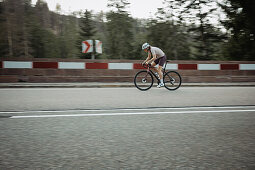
{"points": [[99, 46], [87, 46]]}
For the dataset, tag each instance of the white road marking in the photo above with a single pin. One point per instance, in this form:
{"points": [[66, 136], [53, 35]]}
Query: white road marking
{"points": [[132, 113], [128, 109]]}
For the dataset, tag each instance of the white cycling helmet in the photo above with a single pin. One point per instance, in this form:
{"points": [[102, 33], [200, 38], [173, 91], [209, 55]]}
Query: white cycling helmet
{"points": [[145, 46]]}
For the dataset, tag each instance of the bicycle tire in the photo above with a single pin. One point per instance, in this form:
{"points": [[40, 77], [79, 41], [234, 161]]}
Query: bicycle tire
{"points": [[172, 80], [141, 82]]}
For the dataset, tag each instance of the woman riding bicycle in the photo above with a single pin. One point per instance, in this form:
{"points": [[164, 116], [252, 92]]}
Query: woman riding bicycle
{"points": [[155, 56]]}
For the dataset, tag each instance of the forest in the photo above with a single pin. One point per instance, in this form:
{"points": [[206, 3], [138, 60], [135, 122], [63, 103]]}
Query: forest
{"points": [[183, 29]]}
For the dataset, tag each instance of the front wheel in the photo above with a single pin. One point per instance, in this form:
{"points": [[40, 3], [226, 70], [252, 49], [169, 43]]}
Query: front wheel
{"points": [[172, 80], [143, 80]]}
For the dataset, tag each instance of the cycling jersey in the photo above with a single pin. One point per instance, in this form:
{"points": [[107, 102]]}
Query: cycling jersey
{"points": [[157, 51]]}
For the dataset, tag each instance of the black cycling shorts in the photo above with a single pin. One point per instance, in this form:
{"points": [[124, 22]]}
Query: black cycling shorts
{"points": [[160, 61]]}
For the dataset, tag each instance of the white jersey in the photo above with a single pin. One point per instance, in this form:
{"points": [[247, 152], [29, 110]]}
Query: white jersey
{"points": [[157, 51]]}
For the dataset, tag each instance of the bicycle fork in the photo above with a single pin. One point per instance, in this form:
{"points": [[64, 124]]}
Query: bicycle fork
{"points": [[144, 80]]}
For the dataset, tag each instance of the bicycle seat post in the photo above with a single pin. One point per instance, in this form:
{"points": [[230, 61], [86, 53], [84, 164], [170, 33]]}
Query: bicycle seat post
{"points": [[165, 66]]}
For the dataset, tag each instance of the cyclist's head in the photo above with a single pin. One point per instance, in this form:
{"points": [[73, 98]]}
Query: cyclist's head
{"points": [[145, 46]]}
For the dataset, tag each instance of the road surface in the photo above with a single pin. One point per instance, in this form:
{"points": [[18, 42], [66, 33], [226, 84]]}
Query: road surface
{"points": [[123, 128], [111, 98]]}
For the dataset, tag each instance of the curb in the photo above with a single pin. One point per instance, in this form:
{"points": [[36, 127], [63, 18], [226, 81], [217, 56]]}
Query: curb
{"points": [[113, 85]]}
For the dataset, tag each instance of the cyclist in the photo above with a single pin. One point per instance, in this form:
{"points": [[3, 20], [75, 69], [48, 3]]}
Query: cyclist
{"points": [[155, 56]]}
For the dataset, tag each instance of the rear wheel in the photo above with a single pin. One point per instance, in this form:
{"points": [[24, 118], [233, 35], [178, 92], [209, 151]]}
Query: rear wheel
{"points": [[143, 80], [172, 80]]}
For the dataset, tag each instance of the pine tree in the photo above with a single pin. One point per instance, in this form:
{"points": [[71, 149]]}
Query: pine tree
{"points": [[28, 12], [3, 32], [67, 38], [87, 31], [14, 25], [204, 34], [119, 30], [170, 38], [100, 26], [240, 24]]}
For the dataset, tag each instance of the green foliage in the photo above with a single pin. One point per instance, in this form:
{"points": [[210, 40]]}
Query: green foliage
{"points": [[35, 31], [86, 27], [170, 39], [119, 31], [140, 33], [3, 33], [87, 31], [182, 30], [202, 35], [241, 25]]}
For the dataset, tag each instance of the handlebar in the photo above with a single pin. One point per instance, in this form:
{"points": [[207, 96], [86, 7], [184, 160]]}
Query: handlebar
{"points": [[146, 65]]}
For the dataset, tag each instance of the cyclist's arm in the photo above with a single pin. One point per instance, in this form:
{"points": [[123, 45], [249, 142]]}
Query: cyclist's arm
{"points": [[148, 58], [154, 57]]}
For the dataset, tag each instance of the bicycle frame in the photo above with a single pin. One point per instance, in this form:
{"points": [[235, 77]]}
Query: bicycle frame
{"points": [[148, 66], [172, 79]]}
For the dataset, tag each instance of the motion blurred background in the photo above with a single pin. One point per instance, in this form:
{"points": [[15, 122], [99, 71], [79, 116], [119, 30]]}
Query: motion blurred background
{"points": [[58, 41], [184, 29]]}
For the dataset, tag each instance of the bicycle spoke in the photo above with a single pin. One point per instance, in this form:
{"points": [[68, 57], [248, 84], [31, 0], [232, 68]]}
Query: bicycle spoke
{"points": [[172, 80], [143, 80]]}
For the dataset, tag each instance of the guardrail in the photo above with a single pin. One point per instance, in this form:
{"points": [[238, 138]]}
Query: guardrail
{"points": [[78, 70], [121, 66]]}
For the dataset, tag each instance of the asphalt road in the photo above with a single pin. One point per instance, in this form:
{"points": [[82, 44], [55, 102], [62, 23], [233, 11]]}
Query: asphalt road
{"points": [[111, 98], [124, 128]]}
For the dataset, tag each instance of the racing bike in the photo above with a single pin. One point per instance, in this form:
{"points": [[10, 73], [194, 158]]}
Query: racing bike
{"points": [[144, 79]]}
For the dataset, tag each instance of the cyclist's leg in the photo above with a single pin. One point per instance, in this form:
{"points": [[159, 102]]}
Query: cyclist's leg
{"points": [[159, 70], [153, 64], [161, 64]]}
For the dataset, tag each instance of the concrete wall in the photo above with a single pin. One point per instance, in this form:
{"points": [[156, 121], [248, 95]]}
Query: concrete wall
{"points": [[78, 70]]}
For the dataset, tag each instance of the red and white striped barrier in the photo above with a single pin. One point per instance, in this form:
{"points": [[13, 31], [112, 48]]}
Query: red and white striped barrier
{"points": [[125, 66]]}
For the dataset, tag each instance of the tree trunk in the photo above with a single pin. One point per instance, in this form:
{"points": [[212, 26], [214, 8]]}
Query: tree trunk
{"points": [[9, 30], [25, 41]]}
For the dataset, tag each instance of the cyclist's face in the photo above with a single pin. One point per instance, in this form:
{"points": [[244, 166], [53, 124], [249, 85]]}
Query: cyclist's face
{"points": [[146, 50]]}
